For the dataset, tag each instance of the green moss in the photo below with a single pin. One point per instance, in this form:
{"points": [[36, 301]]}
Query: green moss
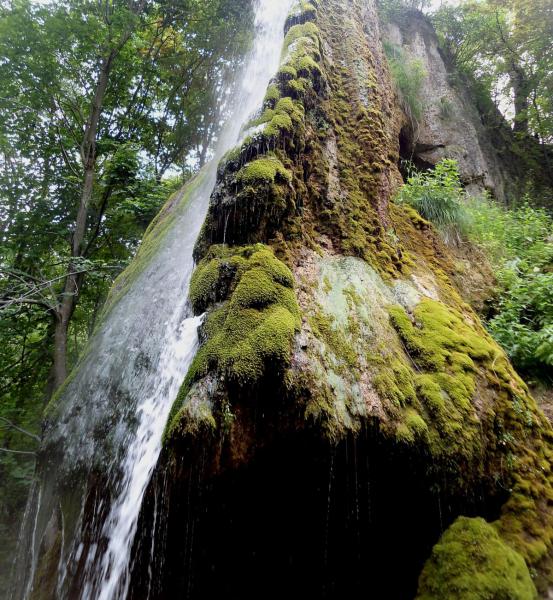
{"points": [[279, 123], [440, 337], [263, 170], [203, 283], [252, 331], [416, 423], [193, 420], [448, 351], [326, 330], [302, 11], [396, 383], [287, 72], [308, 31], [292, 108], [471, 562], [412, 428], [151, 241], [431, 394], [272, 95]]}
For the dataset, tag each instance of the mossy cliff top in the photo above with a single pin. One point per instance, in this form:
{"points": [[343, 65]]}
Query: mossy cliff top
{"points": [[338, 309]]}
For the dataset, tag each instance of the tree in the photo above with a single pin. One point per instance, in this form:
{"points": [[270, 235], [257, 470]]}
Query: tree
{"points": [[98, 91], [508, 46]]}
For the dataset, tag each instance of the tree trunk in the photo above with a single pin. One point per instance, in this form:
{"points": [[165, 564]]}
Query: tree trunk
{"points": [[521, 89], [74, 278]]}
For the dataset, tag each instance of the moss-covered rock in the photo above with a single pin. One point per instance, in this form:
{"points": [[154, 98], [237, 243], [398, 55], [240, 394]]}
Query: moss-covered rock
{"points": [[471, 562], [450, 353], [263, 170], [387, 343], [301, 12], [252, 318]]}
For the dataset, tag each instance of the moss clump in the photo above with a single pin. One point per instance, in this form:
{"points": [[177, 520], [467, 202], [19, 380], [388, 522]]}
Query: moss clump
{"points": [[441, 337], [448, 351], [285, 117], [301, 11], [252, 327], [194, 419], [411, 429], [471, 562], [395, 382], [287, 72], [481, 419], [303, 31], [272, 96], [300, 69], [263, 170]]}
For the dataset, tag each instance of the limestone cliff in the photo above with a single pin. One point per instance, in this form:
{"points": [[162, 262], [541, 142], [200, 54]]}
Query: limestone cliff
{"points": [[451, 125], [346, 407]]}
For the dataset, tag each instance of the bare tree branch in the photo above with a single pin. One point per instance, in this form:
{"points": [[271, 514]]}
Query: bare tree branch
{"points": [[18, 451], [20, 429]]}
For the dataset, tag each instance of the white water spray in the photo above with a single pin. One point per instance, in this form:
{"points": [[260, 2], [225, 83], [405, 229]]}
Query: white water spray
{"points": [[164, 285]]}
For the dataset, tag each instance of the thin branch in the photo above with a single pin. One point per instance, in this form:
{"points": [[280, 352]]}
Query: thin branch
{"points": [[18, 451], [21, 430]]}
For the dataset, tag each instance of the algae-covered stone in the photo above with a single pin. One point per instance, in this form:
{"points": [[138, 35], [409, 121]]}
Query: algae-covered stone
{"points": [[471, 562]]}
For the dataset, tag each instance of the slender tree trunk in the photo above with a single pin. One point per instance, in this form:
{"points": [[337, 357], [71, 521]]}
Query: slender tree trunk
{"points": [[521, 89], [74, 279], [71, 288]]}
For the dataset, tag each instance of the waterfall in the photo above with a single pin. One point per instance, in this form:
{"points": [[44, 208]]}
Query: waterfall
{"points": [[112, 413]]}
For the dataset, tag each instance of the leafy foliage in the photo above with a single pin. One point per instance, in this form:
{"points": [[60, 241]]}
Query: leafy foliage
{"points": [[508, 46], [438, 197], [165, 64], [519, 243]]}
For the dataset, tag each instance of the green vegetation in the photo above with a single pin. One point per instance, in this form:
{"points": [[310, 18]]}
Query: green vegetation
{"points": [[408, 75], [448, 352], [507, 47], [437, 196], [253, 316], [471, 562], [263, 170], [107, 108], [519, 245], [263, 176]]}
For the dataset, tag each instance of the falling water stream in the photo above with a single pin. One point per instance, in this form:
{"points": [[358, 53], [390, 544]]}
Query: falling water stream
{"points": [[110, 574], [113, 412]]}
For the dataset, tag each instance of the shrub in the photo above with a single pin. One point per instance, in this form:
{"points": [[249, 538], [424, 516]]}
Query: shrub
{"points": [[438, 197], [408, 75], [519, 243]]}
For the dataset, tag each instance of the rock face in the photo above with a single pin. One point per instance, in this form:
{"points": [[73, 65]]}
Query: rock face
{"points": [[450, 125], [347, 407]]}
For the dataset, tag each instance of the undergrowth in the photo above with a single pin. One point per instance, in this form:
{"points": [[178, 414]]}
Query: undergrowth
{"points": [[519, 245]]}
